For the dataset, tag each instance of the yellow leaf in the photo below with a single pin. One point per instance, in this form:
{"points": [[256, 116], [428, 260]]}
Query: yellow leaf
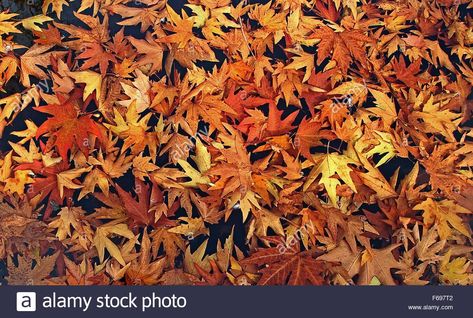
{"points": [[201, 15], [7, 26], [444, 214], [96, 177], [18, 182], [385, 107], [138, 92], [25, 155], [102, 242], [303, 60], [433, 119], [193, 228], [65, 179], [56, 6], [455, 271], [373, 178], [381, 144], [5, 167], [27, 134], [196, 177], [67, 217], [330, 165], [92, 81], [30, 23], [202, 157]]}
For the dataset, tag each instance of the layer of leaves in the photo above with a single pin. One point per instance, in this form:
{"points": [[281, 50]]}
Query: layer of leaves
{"points": [[278, 142]]}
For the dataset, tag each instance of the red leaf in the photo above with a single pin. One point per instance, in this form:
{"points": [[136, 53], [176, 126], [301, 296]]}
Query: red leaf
{"points": [[67, 126]]}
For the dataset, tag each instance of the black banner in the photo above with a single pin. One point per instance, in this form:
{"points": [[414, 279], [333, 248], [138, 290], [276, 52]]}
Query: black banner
{"points": [[287, 302]]}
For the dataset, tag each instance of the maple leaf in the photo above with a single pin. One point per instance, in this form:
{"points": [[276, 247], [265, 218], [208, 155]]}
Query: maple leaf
{"points": [[144, 271], [56, 6], [172, 244], [151, 50], [139, 94], [374, 179], [407, 74], [146, 16], [266, 219], [291, 268], [48, 36], [65, 179], [185, 47], [144, 210], [277, 125], [25, 274], [17, 183], [428, 245], [262, 63], [92, 81], [344, 47], [83, 274], [183, 28], [137, 210], [310, 134], [133, 130], [234, 178], [213, 279], [111, 167], [194, 226], [303, 61], [350, 259], [195, 176], [176, 277], [30, 23], [95, 54], [31, 59], [21, 230], [57, 182], [6, 26], [433, 119], [8, 67], [96, 34], [102, 241], [377, 142], [210, 108], [385, 107], [455, 271], [293, 167], [378, 263], [67, 126], [328, 166], [446, 177], [328, 9], [445, 214], [68, 217]]}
